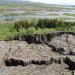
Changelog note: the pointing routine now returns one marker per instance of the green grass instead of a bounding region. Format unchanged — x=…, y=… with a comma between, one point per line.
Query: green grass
x=33, y=31
x=41, y=26
x=4, y=31
x=7, y=31
x=66, y=14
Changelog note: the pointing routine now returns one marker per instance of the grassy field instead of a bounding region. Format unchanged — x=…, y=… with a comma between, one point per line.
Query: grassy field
x=41, y=26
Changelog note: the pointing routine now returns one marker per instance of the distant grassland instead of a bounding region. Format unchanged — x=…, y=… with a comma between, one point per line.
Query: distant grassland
x=40, y=26
x=33, y=26
x=66, y=14
x=33, y=6
x=31, y=9
x=29, y=13
x=18, y=14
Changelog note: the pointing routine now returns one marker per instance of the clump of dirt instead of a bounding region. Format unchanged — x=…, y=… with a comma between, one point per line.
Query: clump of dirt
x=64, y=43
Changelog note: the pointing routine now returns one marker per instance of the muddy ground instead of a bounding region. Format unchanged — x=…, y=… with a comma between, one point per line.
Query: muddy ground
x=55, y=58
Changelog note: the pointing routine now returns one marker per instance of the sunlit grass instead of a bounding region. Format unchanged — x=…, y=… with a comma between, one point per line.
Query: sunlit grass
x=33, y=27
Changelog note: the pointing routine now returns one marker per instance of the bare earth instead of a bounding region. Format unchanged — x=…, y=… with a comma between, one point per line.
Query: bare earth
x=21, y=58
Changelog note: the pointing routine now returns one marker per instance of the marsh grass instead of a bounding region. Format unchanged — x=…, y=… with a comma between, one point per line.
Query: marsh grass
x=40, y=26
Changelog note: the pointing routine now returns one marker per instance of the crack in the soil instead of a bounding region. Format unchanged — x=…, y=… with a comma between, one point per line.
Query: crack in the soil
x=15, y=62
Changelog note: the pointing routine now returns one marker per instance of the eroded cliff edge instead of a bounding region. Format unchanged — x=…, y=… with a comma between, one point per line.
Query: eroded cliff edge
x=52, y=53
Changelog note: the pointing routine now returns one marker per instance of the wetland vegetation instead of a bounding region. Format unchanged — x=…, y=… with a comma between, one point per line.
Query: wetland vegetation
x=32, y=27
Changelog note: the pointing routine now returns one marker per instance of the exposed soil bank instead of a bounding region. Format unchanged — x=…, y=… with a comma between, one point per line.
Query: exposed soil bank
x=44, y=38
x=38, y=57
x=59, y=41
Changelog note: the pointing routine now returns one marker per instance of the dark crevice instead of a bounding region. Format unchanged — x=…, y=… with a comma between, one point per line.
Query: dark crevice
x=14, y=62
x=36, y=38
x=52, y=47
x=70, y=63
x=42, y=62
